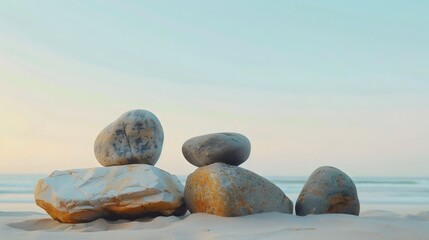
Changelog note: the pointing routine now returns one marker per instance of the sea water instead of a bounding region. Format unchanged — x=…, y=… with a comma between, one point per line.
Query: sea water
x=398, y=194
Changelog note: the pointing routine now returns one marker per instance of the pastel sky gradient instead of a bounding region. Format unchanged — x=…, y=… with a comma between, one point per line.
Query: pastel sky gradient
x=310, y=83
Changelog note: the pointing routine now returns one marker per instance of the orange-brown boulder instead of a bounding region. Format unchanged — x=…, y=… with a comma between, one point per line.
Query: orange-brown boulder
x=229, y=191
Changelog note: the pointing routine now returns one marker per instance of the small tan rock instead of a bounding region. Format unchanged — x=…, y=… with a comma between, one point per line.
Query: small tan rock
x=226, y=190
x=118, y=192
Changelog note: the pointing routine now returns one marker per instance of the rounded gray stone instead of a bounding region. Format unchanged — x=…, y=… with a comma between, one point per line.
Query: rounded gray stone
x=229, y=148
x=135, y=137
x=328, y=190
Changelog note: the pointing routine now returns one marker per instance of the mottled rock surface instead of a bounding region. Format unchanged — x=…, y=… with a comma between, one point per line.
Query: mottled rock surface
x=118, y=192
x=135, y=137
x=328, y=190
x=230, y=148
x=226, y=190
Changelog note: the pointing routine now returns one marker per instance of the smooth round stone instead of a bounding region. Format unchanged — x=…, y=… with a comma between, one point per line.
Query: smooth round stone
x=230, y=191
x=229, y=148
x=135, y=137
x=328, y=190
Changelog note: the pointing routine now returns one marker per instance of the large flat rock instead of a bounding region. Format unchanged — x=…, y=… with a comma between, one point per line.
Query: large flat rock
x=126, y=192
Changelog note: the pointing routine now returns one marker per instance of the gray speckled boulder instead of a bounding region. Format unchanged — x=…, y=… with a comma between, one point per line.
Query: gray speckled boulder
x=135, y=137
x=328, y=190
x=229, y=191
x=230, y=148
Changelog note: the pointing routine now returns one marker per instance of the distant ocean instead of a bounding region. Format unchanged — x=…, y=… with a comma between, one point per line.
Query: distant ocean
x=400, y=194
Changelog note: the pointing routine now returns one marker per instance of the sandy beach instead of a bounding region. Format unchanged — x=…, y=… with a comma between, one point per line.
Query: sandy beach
x=406, y=219
x=370, y=225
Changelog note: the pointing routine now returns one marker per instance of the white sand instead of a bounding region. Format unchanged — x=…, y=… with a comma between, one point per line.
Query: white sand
x=370, y=225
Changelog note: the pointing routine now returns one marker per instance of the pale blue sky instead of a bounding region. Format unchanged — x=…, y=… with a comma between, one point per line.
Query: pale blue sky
x=309, y=82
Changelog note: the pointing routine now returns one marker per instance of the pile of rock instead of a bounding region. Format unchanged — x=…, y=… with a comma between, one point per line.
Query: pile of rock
x=222, y=188
x=129, y=187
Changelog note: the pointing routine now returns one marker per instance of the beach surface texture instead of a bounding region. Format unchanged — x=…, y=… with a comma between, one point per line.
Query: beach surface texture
x=370, y=225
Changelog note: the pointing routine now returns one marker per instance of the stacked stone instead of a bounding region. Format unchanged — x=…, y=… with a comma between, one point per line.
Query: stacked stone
x=128, y=187
x=222, y=188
